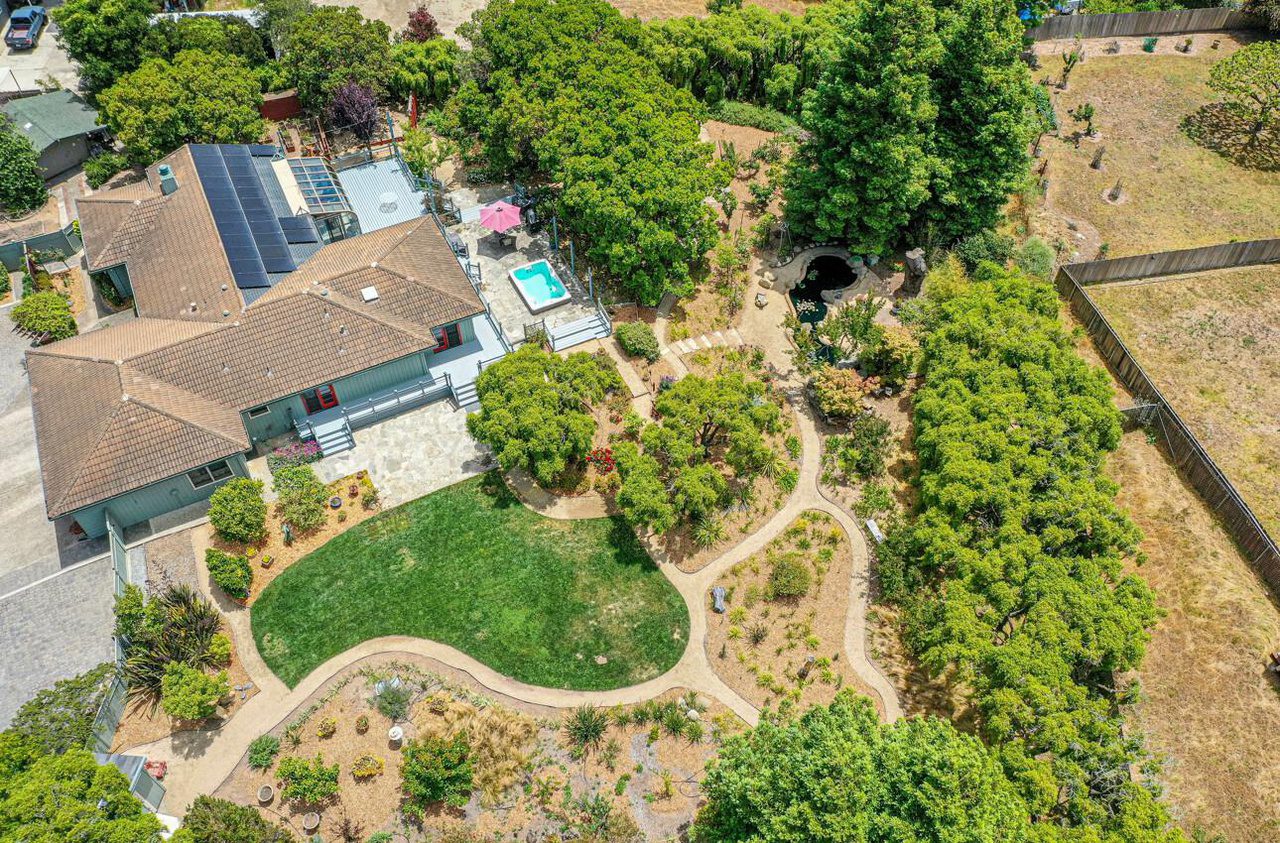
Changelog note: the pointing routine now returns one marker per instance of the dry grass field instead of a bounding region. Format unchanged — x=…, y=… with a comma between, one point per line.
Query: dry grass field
x=1175, y=193
x=1211, y=341
x=1209, y=709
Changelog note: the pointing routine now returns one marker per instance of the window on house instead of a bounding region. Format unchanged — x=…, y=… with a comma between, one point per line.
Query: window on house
x=258, y=412
x=207, y=474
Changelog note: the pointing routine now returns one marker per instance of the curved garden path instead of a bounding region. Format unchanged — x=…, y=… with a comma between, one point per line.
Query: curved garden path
x=200, y=760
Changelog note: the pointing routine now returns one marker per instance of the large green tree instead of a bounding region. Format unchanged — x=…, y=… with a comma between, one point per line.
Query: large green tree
x=839, y=774
x=104, y=37
x=210, y=34
x=198, y=98
x=712, y=431
x=560, y=93
x=70, y=797
x=1013, y=573
x=61, y=717
x=985, y=103
x=426, y=68
x=330, y=46
x=1267, y=10
x=1249, y=81
x=866, y=166
x=22, y=187
x=535, y=409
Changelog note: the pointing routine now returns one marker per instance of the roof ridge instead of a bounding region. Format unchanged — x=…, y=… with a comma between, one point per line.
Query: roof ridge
x=135, y=399
x=53, y=350
x=102, y=434
x=389, y=320
x=425, y=285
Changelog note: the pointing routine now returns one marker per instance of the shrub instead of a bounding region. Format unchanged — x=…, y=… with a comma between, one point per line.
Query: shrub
x=100, y=168
x=307, y=782
x=638, y=340
x=891, y=358
x=984, y=246
x=263, y=751
x=585, y=728
x=369, y=497
x=1035, y=257
x=45, y=314
x=190, y=694
x=220, y=650
x=863, y=451
x=366, y=767
x=789, y=578
x=211, y=820
x=436, y=770
x=130, y=612
x=21, y=181
x=876, y=498
x=233, y=574
x=381, y=837
x=297, y=453
x=759, y=117
x=328, y=728
x=393, y=702
x=176, y=625
x=838, y=393
x=362, y=724
x=302, y=497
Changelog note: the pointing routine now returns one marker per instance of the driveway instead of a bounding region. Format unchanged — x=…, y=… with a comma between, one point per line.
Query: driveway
x=46, y=60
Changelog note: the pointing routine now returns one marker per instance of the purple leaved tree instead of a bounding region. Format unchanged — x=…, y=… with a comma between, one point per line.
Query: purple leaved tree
x=422, y=26
x=354, y=107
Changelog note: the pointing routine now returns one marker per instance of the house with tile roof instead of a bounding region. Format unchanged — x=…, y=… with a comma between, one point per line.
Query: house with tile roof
x=253, y=321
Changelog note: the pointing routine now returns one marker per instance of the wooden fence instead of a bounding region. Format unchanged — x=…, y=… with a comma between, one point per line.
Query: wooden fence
x=1200, y=259
x=1190, y=457
x=1141, y=23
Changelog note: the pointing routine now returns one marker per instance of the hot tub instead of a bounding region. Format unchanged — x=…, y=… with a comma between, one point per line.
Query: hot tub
x=539, y=286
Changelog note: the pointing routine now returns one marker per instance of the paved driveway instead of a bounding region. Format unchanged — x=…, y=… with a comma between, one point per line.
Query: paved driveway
x=46, y=60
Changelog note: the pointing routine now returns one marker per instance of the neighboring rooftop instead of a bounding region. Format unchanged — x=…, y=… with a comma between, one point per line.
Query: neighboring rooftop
x=48, y=118
x=126, y=406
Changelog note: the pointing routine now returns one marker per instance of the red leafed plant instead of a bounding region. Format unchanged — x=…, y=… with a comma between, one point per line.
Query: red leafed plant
x=422, y=26
x=602, y=459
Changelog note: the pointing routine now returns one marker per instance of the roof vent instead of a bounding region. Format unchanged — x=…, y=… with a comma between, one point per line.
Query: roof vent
x=369, y=294
x=224, y=288
x=226, y=313
x=168, y=181
x=342, y=330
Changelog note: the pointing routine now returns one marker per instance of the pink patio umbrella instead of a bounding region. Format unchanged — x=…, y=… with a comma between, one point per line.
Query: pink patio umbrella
x=500, y=216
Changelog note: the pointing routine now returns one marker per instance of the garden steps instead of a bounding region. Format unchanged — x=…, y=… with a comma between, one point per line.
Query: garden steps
x=334, y=437
x=728, y=338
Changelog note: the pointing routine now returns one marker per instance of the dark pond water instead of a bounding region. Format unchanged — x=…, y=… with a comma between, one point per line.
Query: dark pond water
x=827, y=272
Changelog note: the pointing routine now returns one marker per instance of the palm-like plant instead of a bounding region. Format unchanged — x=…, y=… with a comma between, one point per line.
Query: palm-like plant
x=185, y=625
x=585, y=728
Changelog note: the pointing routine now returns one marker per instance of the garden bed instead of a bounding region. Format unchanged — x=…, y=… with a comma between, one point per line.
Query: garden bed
x=527, y=782
x=142, y=724
x=570, y=604
x=760, y=645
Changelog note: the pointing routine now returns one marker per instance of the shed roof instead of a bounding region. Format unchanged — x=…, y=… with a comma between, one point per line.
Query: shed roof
x=48, y=118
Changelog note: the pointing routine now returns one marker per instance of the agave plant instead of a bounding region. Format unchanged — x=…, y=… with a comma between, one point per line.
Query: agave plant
x=585, y=728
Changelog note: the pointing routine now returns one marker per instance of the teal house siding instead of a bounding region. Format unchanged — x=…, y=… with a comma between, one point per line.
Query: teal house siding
x=149, y=501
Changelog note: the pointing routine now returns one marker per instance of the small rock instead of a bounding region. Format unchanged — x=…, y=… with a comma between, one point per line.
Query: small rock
x=693, y=714
x=601, y=660
x=770, y=277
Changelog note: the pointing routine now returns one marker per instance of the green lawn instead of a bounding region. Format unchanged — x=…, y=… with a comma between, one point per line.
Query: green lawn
x=470, y=566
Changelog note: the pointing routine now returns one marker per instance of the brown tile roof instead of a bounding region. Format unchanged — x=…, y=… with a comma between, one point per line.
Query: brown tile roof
x=126, y=406
x=177, y=265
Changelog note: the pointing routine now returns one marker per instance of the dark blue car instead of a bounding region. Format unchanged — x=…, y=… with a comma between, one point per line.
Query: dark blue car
x=25, y=26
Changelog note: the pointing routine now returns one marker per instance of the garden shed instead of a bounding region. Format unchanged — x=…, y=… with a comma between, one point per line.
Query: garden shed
x=58, y=124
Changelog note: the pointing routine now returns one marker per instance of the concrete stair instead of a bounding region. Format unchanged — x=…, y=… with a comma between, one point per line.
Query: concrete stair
x=593, y=327
x=465, y=397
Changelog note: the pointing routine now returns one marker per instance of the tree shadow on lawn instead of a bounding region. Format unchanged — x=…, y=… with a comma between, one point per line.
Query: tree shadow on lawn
x=1221, y=129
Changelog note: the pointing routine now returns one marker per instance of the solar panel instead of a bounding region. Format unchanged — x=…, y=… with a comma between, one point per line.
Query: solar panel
x=250, y=231
x=299, y=230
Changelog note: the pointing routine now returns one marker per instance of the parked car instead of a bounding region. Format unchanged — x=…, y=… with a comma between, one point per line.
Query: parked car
x=25, y=26
x=18, y=4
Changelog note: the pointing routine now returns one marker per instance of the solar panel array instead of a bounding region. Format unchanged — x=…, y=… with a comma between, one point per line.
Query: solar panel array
x=299, y=229
x=251, y=232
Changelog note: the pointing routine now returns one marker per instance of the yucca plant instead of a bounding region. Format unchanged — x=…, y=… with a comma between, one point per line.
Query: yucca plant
x=183, y=632
x=708, y=532
x=585, y=728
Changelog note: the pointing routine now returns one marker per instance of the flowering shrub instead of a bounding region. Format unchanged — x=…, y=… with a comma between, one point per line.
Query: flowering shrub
x=299, y=453
x=602, y=459
x=367, y=766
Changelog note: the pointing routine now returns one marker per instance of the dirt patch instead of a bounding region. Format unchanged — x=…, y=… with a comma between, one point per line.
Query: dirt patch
x=1208, y=708
x=527, y=782
x=1179, y=193
x=762, y=645
x=1211, y=341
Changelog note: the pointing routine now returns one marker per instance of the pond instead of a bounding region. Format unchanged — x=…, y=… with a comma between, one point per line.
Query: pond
x=826, y=272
